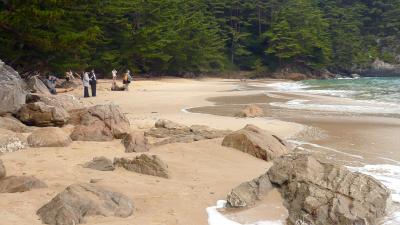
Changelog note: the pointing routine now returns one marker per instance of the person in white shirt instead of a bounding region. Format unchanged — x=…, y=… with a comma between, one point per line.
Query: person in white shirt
x=85, y=81
x=114, y=80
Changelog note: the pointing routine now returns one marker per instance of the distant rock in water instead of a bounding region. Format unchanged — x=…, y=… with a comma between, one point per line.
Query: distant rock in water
x=144, y=164
x=381, y=68
x=12, y=90
x=256, y=142
x=251, y=111
x=316, y=192
x=77, y=201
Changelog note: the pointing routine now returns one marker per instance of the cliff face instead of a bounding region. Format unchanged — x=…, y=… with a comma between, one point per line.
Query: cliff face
x=380, y=68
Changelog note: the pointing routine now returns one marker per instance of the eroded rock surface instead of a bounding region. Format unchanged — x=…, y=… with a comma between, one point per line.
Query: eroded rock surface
x=78, y=201
x=2, y=170
x=321, y=193
x=257, y=142
x=11, y=141
x=173, y=132
x=10, y=123
x=13, y=184
x=135, y=142
x=100, y=163
x=35, y=85
x=42, y=115
x=12, y=90
x=246, y=194
x=49, y=137
x=99, y=123
x=65, y=101
x=145, y=164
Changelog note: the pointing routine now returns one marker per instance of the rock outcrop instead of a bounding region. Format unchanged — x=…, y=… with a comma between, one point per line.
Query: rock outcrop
x=64, y=101
x=135, y=142
x=321, y=193
x=35, y=85
x=144, y=164
x=13, y=184
x=100, y=163
x=42, y=115
x=380, y=68
x=2, y=170
x=49, y=137
x=99, y=123
x=174, y=132
x=9, y=123
x=12, y=90
x=251, y=111
x=78, y=201
x=257, y=142
x=247, y=193
x=10, y=141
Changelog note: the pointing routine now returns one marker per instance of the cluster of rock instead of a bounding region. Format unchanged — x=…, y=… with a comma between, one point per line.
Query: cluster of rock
x=144, y=164
x=12, y=184
x=317, y=192
x=172, y=132
x=251, y=111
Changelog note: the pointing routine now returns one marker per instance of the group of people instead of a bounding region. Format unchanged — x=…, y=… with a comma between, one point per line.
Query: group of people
x=89, y=80
x=126, y=80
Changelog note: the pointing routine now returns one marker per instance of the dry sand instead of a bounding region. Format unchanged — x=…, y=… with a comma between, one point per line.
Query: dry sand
x=202, y=172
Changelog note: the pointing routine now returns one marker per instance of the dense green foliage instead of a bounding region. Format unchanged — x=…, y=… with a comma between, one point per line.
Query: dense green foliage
x=180, y=36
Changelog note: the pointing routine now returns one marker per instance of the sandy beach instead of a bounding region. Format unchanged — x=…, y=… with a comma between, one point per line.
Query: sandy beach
x=201, y=172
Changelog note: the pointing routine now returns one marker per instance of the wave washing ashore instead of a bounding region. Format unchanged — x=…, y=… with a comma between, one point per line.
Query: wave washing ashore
x=374, y=95
x=355, y=98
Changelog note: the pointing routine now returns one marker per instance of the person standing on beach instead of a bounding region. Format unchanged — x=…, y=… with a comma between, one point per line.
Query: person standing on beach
x=114, y=80
x=127, y=80
x=85, y=80
x=93, y=82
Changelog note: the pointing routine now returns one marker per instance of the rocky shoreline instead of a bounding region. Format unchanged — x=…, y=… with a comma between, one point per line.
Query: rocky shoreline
x=314, y=192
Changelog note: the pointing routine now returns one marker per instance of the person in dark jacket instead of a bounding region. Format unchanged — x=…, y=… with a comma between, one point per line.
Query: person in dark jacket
x=93, y=82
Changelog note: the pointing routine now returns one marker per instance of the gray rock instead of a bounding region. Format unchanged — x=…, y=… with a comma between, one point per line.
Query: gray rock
x=15, y=184
x=10, y=141
x=100, y=163
x=35, y=85
x=257, y=142
x=145, y=164
x=65, y=101
x=320, y=193
x=135, y=142
x=12, y=90
x=247, y=193
x=78, y=201
x=2, y=170
x=99, y=123
x=42, y=115
x=49, y=137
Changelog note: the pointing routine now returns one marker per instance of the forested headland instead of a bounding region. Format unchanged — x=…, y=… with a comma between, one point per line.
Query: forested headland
x=197, y=36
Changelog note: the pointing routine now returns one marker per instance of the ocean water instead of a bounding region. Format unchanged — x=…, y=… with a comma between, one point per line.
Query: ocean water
x=373, y=95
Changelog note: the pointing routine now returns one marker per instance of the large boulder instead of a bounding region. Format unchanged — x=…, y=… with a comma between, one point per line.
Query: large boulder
x=135, y=142
x=49, y=137
x=78, y=201
x=10, y=141
x=42, y=115
x=100, y=163
x=257, y=142
x=145, y=164
x=12, y=90
x=35, y=85
x=65, y=101
x=15, y=184
x=246, y=194
x=10, y=123
x=2, y=170
x=99, y=123
x=174, y=132
x=320, y=193
x=251, y=111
